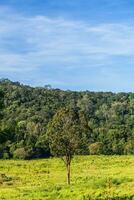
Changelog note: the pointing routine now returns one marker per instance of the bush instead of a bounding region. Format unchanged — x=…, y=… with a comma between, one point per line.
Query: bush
x=129, y=148
x=6, y=155
x=96, y=148
x=21, y=153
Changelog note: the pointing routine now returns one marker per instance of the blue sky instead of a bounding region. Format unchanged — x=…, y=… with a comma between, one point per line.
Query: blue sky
x=70, y=44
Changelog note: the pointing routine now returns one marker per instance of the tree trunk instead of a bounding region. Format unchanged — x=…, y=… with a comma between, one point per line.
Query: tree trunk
x=68, y=173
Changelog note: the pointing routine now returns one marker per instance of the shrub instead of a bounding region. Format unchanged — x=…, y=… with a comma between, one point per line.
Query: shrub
x=6, y=155
x=96, y=148
x=21, y=153
x=129, y=148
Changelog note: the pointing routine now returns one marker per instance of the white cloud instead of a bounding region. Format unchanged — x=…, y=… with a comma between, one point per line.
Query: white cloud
x=38, y=42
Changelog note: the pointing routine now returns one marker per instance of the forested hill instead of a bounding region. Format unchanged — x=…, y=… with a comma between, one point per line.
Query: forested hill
x=26, y=112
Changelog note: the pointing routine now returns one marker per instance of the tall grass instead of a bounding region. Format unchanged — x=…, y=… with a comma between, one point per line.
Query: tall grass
x=93, y=177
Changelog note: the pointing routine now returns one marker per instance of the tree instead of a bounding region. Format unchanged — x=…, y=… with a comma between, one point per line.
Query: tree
x=64, y=136
x=26, y=111
x=86, y=105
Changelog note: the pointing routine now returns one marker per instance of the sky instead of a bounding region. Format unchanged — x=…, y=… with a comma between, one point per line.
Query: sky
x=69, y=44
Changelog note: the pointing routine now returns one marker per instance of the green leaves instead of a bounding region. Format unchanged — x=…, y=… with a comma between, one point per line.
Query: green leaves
x=63, y=133
x=27, y=114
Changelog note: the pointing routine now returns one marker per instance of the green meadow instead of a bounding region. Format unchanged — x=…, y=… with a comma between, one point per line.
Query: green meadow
x=92, y=177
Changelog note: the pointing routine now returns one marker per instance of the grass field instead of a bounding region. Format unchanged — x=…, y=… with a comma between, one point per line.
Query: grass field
x=93, y=177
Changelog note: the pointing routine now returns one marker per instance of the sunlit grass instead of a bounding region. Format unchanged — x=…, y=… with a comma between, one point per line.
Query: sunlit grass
x=93, y=177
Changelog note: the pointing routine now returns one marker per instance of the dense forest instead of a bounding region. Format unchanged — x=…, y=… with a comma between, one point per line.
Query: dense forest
x=25, y=112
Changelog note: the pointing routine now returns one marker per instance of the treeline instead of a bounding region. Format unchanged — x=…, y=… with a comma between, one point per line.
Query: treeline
x=25, y=113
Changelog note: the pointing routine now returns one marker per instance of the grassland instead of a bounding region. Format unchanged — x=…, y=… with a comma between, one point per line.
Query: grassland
x=93, y=177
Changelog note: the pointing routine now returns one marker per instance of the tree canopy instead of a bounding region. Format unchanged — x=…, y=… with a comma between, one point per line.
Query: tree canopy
x=64, y=135
x=106, y=120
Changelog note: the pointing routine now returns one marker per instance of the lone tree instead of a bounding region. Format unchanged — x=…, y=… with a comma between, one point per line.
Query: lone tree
x=64, y=136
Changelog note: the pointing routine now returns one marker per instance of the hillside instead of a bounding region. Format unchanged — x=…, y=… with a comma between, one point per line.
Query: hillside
x=26, y=112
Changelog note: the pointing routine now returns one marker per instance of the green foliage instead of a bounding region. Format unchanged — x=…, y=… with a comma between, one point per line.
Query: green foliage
x=64, y=133
x=21, y=153
x=25, y=113
x=96, y=148
x=6, y=155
